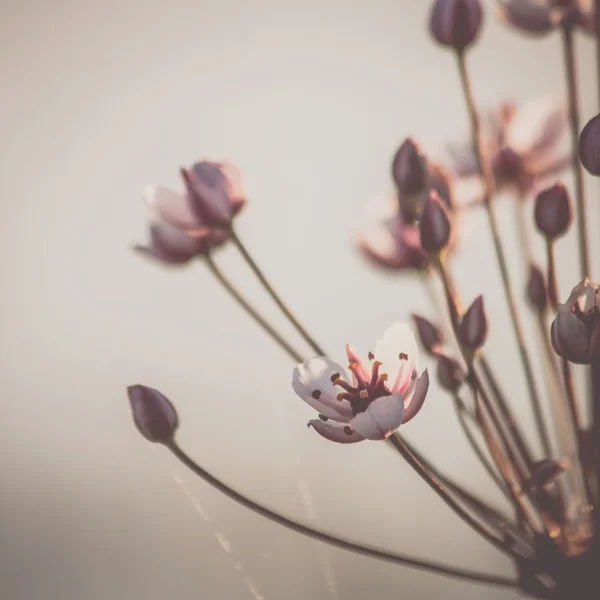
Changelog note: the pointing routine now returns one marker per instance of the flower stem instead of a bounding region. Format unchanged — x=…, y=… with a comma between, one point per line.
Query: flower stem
x=489, y=201
x=573, y=100
x=237, y=296
x=595, y=380
x=551, y=276
x=276, y=298
x=321, y=536
x=597, y=29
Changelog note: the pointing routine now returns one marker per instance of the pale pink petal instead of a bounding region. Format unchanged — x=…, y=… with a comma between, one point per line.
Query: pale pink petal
x=312, y=381
x=173, y=208
x=363, y=366
x=418, y=398
x=335, y=432
x=397, y=351
x=171, y=245
x=381, y=419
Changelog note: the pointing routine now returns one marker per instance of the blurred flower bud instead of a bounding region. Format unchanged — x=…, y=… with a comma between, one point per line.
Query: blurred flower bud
x=431, y=336
x=473, y=328
x=409, y=168
x=455, y=23
x=215, y=192
x=575, y=331
x=553, y=211
x=536, y=288
x=546, y=471
x=531, y=16
x=153, y=414
x=450, y=373
x=589, y=146
x=435, y=225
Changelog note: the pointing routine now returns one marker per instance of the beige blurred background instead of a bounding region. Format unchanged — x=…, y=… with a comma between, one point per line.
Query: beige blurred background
x=310, y=99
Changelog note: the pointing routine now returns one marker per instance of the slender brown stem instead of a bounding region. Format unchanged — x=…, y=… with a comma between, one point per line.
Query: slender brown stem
x=276, y=298
x=489, y=197
x=595, y=384
x=464, y=414
x=573, y=105
x=552, y=283
x=327, y=538
x=437, y=486
x=597, y=28
x=524, y=237
x=250, y=310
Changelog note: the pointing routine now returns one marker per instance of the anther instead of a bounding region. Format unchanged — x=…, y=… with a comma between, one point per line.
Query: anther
x=348, y=430
x=403, y=356
x=316, y=394
x=364, y=394
x=371, y=356
x=335, y=377
x=323, y=418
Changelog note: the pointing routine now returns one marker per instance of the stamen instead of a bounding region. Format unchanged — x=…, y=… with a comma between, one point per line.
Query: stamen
x=335, y=377
x=316, y=394
x=348, y=430
x=323, y=418
x=403, y=356
x=344, y=396
x=375, y=373
x=356, y=370
x=371, y=356
x=344, y=385
x=364, y=394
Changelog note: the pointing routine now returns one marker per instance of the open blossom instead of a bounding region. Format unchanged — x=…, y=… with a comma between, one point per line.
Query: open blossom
x=183, y=226
x=524, y=145
x=382, y=392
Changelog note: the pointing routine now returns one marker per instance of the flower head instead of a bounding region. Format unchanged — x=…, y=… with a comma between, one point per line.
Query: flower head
x=523, y=145
x=381, y=393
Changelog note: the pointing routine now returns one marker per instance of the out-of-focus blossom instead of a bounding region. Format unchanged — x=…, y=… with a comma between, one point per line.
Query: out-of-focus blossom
x=382, y=392
x=431, y=336
x=553, y=211
x=524, y=146
x=575, y=330
x=539, y=17
x=176, y=236
x=456, y=23
x=450, y=373
x=588, y=147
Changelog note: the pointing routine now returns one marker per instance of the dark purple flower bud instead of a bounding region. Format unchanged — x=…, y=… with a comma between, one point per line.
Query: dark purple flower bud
x=536, y=288
x=456, y=23
x=409, y=169
x=435, y=224
x=589, y=146
x=575, y=331
x=546, y=471
x=553, y=211
x=431, y=336
x=450, y=373
x=531, y=16
x=473, y=328
x=153, y=414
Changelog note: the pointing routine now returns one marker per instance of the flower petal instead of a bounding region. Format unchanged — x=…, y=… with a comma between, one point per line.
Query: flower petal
x=418, y=398
x=397, y=351
x=171, y=245
x=381, y=419
x=531, y=16
x=312, y=381
x=335, y=432
x=173, y=208
x=363, y=366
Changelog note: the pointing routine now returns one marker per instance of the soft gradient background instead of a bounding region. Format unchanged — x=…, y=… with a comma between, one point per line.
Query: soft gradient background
x=310, y=99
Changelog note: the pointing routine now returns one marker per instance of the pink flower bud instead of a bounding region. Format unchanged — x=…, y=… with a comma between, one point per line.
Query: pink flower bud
x=553, y=211
x=153, y=414
x=589, y=146
x=450, y=373
x=536, y=288
x=473, y=329
x=456, y=23
x=431, y=336
x=435, y=224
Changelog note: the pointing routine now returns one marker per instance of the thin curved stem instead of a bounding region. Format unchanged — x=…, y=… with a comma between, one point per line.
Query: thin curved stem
x=551, y=276
x=523, y=231
x=489, y=197
x=237, y=296
x=274, y=295
x=327, y=538
x=573, y=105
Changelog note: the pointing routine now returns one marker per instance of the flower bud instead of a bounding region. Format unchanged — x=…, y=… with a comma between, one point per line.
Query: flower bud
x=473, y=328
x=435, y=225
x=589, y=146
x=153, y=414
x=450, y=373
x=553, y=211
x=431, y=336
x=455, y=23
x=409, y=169
x=575, y=331
x=536, y=288
x=531, y=17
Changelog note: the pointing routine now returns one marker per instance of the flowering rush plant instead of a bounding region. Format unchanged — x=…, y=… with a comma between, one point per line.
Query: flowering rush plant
x=552, y=532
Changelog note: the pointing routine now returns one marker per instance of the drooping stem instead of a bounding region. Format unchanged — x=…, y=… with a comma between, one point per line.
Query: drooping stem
x=489, y=201
x=274, y=295
x=573, y=106
x=438, y=487
x=327, y=538
x=251, y=311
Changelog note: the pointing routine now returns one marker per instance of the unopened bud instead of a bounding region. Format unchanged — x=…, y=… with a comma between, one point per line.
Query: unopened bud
x=553, y=211
x=450, y=373
x=153, y=414
x=431, y=336
x=435, y=225
x=473, y=329
x=456, y=23
x=589, y=146
x=409, y=168
x=536, y=288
